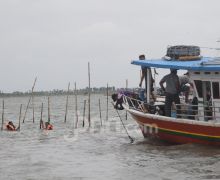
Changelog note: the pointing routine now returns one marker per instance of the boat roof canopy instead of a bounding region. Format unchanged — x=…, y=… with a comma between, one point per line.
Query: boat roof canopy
x=204, y=64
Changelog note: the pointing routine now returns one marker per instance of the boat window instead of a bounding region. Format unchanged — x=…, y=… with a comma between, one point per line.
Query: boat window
x=196, y=72
x=198, y=84
x=216, y=73
x=207, y=73
x=215, y=89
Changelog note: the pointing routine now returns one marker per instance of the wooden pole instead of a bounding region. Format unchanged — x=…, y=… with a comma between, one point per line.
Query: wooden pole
x=41, y=116
x=48, y=120
x=100, y=113
x=76, y=108
x=19, y=123
x=29, y=99
x=148, y=85
x=27, y=108
x=89, y=94
x=67, y=99
x=140, y=74
x=3, y=109
x=155, y=72
x=84, y=112
x=126, y=113
x=33, y=106
x=33, y=101
x=107, y=102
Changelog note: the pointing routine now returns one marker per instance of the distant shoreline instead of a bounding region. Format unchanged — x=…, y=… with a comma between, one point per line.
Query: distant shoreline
x=57, y=92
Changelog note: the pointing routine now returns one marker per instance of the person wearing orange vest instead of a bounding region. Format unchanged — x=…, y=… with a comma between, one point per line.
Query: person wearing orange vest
x=10, y=126
x=48, y=126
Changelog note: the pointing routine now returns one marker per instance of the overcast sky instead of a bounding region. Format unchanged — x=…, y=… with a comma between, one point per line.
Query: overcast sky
x=55, y=39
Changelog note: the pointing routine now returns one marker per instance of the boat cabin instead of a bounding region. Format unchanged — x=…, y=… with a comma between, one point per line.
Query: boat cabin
x=204, y=73
x=206, y=87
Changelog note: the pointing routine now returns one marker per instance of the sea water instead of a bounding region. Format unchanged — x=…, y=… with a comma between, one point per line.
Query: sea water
x=96, y=152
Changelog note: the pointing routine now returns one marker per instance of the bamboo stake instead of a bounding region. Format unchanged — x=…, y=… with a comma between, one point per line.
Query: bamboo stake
x=76, y=108
x=27, y=108
x=89, y=96
x=48, y=120
x=67, y=100
x=140, y=74
x=19, y=123
x=84, y=112
x=100, y=113
x=33, y=102
x=33, y=106
x=107, y=103
x=3, y=109
x=29, y=99
x=126, y=113
x=41, y=116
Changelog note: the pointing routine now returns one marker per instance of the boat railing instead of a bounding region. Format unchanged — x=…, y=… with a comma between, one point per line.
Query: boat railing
x=197, y=112
x=184, y=111
x=134, y=103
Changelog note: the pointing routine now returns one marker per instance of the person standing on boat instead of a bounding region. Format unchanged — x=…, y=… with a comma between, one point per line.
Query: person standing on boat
x=184, y=80
x=171, y=91
x=144, y=76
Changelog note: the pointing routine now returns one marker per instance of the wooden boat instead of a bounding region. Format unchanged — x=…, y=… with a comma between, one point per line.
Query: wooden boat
x=198, y=123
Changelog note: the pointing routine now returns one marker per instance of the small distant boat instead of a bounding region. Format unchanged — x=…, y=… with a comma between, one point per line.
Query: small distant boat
x=198, y=123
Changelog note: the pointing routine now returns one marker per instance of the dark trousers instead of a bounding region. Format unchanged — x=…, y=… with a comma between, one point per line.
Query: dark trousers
x=170, y=98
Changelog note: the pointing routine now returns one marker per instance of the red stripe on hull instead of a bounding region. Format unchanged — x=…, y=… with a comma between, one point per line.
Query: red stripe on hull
x=179, y=139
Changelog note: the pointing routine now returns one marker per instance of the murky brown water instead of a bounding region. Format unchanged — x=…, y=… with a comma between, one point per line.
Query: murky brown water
x=97, y=152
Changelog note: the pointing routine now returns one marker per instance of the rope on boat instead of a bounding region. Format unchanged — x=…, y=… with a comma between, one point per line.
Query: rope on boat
x=131, y=139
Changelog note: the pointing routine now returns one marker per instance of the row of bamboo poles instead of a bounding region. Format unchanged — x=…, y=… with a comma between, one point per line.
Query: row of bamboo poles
x=31, y=100
x=66, y=110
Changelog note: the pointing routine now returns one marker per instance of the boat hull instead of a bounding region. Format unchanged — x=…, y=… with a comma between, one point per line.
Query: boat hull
x=177, y=130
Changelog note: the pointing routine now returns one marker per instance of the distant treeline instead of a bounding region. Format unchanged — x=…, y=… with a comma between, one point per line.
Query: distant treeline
x=94, y=90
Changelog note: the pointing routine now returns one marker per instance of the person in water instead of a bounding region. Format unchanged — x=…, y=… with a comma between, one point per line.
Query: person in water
x=48, y=126
x=10, y=126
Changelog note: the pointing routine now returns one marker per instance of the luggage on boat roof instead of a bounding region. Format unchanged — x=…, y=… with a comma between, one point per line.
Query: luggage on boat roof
x=183, y=52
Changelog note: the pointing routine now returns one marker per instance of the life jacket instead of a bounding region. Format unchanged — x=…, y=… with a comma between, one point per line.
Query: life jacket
x=10, y=127
x=50, y=127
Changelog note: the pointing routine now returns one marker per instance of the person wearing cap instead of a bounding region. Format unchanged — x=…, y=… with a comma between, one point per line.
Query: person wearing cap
x=143, y=76
x=184, y=80
x=171, y=91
